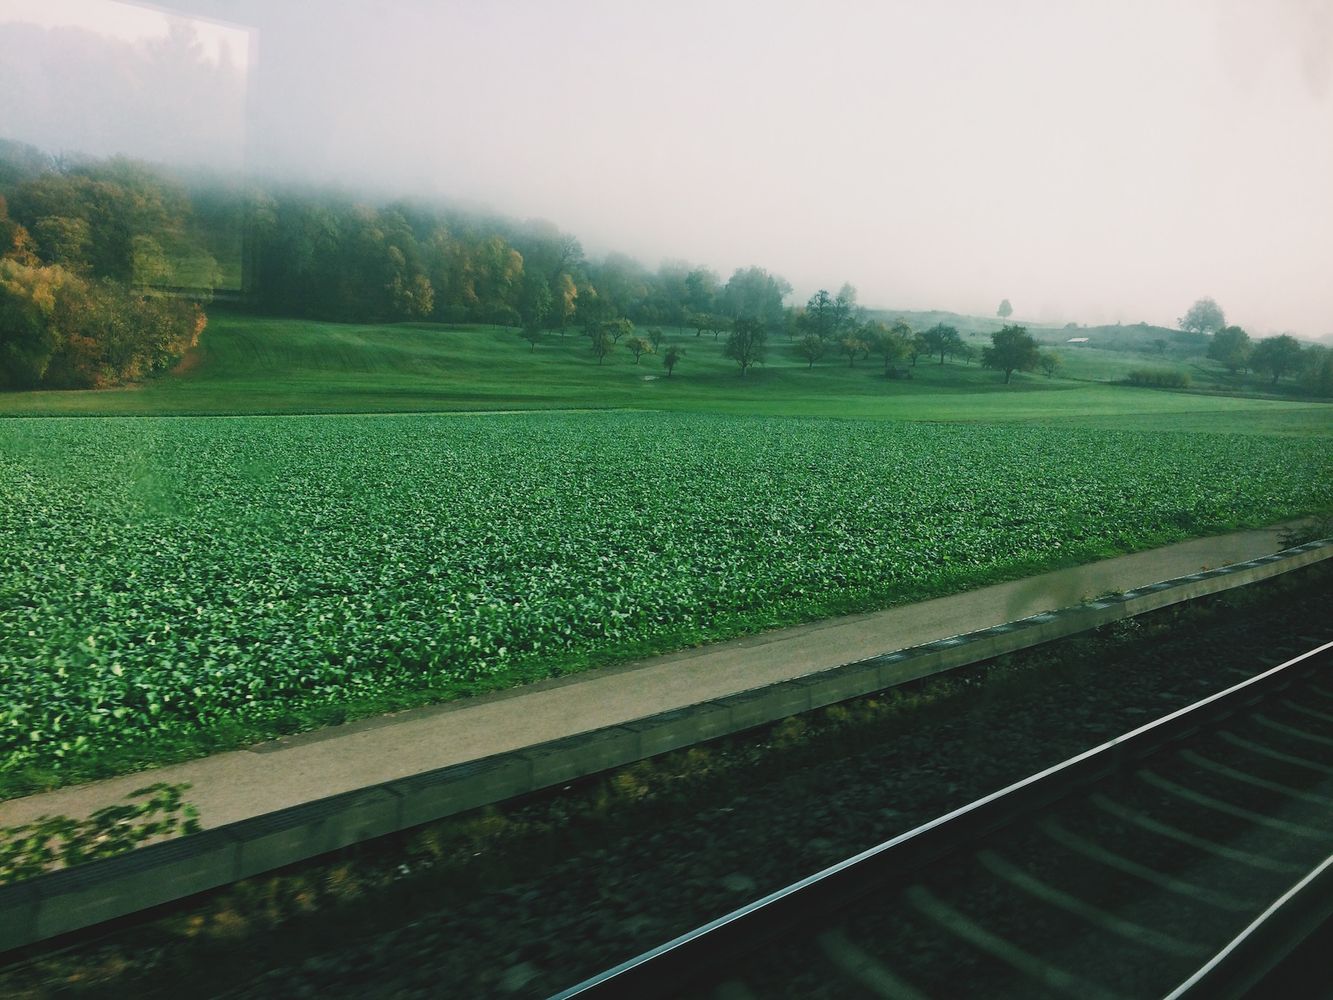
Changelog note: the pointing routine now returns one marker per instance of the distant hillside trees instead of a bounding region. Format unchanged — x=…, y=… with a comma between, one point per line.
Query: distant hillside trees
x=1005, y=310
x=76, y=306
x=1012, y=350
x=1205, y=316
x=58, y=330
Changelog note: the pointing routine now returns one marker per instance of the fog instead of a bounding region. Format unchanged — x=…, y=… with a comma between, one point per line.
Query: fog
x=1090, y=162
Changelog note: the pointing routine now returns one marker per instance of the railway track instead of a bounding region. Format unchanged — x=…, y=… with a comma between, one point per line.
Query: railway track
x=1182, y=859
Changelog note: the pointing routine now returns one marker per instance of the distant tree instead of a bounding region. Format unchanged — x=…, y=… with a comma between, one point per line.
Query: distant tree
x=1276, y=356
x=534, y=306
x=753, y=292
x=942, y=339
x=852, y=347
x=916, y=346
x=593, y=311
x=820, y=317
x=533, y=335
x=793, y=322
x=64, y=241
x=602, y=342
x=638, y=346
x=1012, y=349
x=1205, y=316
x=1317, y=371
x=618, y=328
x=811, y=348
x=698, y=321
x=718, y=324
x=884, y=341
x=968, y=353
x=701, y=288
x=565, y=298
x=1160, y=344
x=1049, y=362
x=1231, y=347
x=655, y=337
x=672, y=357
x=844, y=309
x=747, y=342
x=1005, y=310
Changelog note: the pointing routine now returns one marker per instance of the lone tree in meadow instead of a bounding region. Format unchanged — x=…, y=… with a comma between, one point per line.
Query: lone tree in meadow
x=533, y=335
x=1012, y=350
x=811, y=348
x=746, y=343
x=534, y=306
x=1005, y=310
x=1049, y=362
x=1276, y=356
x=1205, y=316
x=1231, y=348
x=639, y=346
x=671, y=357
x=602, y=342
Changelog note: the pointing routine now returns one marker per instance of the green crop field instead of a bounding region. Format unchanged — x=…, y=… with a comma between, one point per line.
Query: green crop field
x=174, y=585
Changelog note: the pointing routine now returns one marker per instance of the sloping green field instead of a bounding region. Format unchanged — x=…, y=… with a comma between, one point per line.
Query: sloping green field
x=248, y=365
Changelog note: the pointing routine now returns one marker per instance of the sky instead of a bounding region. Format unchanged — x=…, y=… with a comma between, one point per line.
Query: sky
x=1090, y=161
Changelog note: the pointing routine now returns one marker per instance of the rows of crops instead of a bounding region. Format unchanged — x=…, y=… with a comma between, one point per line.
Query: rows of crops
x=164, y=575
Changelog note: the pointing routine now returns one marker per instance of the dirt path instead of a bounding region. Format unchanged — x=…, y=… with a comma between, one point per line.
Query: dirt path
x=245, y=783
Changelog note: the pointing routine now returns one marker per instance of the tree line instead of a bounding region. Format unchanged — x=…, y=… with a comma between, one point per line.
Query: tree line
x=106, y=267
x=1273, y=357
x=76, y=265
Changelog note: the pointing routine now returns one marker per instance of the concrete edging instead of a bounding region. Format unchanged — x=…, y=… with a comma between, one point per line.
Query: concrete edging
x=71, y=899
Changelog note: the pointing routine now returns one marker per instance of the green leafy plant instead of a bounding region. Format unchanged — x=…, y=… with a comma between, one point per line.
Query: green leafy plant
x=57, y=841
x=167, y=580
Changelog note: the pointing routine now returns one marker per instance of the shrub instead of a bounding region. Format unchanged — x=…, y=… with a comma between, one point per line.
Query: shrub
x=1158, y=378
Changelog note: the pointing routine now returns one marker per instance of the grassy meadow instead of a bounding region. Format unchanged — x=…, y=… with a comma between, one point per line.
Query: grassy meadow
x=282, y=534
x=246, y=365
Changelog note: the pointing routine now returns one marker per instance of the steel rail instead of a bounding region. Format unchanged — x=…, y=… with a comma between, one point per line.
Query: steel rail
x=666, y=969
